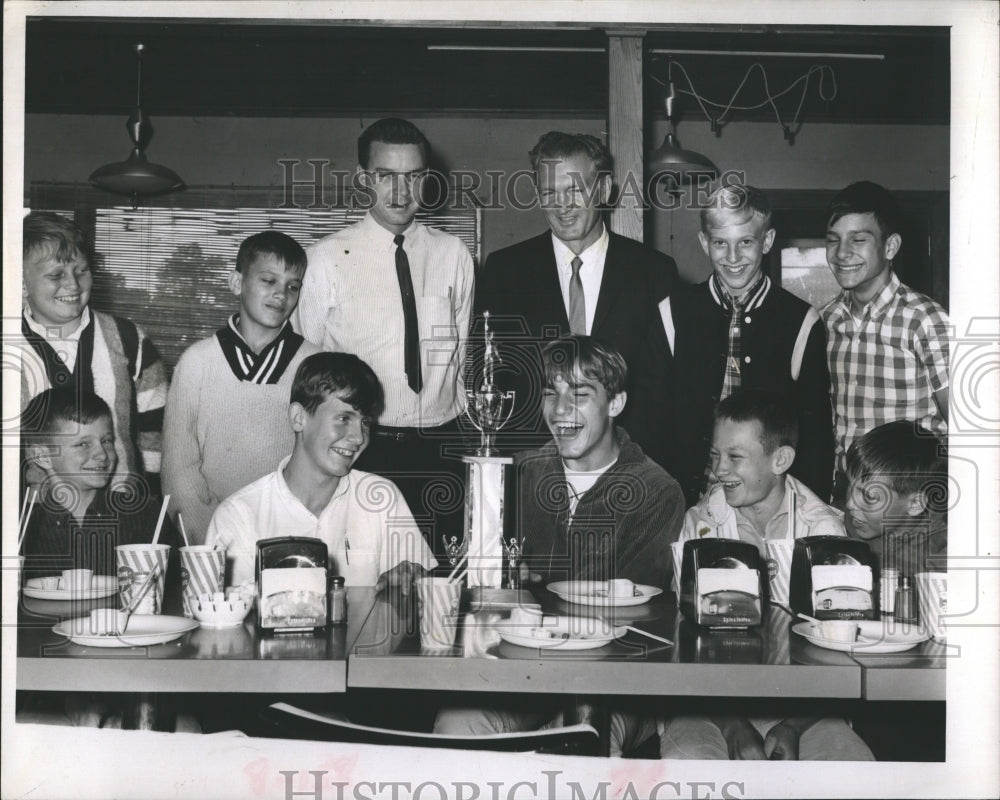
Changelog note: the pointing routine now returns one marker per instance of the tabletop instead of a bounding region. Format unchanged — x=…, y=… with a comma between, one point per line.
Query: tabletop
x=253, y=662
x=768, y=661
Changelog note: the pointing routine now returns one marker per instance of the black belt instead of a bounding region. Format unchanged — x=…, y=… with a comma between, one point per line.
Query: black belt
x=405, y=434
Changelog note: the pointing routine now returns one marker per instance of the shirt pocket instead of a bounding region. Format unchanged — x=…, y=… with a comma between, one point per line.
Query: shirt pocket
x=360, y=567
x=438, y=328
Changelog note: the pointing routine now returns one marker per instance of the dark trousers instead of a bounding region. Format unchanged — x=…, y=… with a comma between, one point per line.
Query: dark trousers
x=426, y=464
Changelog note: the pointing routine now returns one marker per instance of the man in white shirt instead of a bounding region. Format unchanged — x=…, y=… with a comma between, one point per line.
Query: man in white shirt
x=398, y=294
x=366, y=524
x=578, y=278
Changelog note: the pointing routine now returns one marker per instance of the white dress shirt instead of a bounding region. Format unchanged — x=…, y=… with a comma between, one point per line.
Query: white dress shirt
x=367, y=526
x=591, y=272
x=350, y=302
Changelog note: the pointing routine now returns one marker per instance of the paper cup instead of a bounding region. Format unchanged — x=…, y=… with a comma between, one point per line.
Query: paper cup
x=437, y=603
x=932, y=601
x=677, y=555
x=76, y=580
x=838, y=630
x=202, y=572
x=135, y=562
x=779, y=568
x=108, y=621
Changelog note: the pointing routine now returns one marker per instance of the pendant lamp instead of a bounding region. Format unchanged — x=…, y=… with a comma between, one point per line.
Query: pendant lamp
x=135, y=176
x=670, y=161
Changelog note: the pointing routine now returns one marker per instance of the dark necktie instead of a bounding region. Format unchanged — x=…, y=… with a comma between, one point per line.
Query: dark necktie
x=411, y=343
x=577, y=303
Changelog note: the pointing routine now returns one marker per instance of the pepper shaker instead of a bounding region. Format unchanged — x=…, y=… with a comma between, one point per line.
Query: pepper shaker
x=905, y=610
x=338, y=601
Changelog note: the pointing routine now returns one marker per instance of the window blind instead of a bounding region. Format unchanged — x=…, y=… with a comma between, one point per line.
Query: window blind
x=166, y=267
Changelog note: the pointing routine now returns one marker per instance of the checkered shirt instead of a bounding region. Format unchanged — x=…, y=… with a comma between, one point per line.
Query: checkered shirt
x=887, y=365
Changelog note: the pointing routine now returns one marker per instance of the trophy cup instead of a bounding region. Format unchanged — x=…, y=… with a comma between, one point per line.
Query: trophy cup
x=488, y=409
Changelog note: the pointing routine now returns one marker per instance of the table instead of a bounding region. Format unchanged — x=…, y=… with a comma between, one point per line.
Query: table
x=204, y=660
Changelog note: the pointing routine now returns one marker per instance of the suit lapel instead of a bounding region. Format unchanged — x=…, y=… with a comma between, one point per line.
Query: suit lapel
x=612, y=282
x=549, y=300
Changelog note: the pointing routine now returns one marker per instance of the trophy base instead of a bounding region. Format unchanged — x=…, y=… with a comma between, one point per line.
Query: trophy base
x=486, y=597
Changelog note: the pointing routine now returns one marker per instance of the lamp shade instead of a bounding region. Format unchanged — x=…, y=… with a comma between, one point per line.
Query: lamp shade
x=675, y=164
x=136, y=176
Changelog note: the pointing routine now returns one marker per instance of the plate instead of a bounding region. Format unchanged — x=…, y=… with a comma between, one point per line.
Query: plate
x=582, y=593
x=873, y=638
x=143, y=629
x=100, y=586
x=605, y=634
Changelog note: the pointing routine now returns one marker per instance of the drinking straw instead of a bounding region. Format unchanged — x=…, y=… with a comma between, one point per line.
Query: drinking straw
x=159, y=522
x=458, y=578
x=180, y=524
x=26, y=509
x=137, y=597
x=647, y=633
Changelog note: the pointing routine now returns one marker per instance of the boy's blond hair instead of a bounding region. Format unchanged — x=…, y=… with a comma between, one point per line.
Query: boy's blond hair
x=744, y=202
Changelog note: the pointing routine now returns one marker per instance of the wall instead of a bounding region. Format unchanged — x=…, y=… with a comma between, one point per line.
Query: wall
x=223, y=151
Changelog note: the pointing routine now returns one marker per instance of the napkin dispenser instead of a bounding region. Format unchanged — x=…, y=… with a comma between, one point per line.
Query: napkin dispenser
x=719, y=646
x=833, y=577
x=723, y=583
x=291, y=579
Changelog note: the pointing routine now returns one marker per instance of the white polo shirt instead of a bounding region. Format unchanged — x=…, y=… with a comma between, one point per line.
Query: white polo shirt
x=367, y=526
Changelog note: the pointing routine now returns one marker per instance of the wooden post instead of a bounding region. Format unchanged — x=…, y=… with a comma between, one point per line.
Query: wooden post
x=625, y=129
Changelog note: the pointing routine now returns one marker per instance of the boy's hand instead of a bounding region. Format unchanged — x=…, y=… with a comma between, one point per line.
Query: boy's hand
x=401, y=575
x=745, y=744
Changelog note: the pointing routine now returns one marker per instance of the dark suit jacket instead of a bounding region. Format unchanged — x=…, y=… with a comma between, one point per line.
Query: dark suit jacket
x=519, y=286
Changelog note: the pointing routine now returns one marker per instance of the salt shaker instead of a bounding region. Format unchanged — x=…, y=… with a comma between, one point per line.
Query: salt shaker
x=888, y=586
x=905, y=610
x=338, y=601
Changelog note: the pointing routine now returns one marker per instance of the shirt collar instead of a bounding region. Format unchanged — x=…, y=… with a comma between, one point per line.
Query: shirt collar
x=46, y=332
x=750, y=300
x=383, y=238
x=596, y=250
x=290, y=496
x=877, y=305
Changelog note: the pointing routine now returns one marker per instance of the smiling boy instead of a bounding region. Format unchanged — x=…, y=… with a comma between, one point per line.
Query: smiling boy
x=243, y=372
x=591, y=504
x=67, y=343
x=78, y=520
x=362, y=518
x=735, y=329
x=887, y=345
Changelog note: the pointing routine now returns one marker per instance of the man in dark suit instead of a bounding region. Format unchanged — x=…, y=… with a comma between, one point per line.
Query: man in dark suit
x=576, y=278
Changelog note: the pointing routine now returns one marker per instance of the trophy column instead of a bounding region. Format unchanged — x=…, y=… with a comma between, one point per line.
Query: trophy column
x=484, y=519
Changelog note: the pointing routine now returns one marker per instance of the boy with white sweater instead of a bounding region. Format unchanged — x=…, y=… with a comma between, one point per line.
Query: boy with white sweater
x=226, y=418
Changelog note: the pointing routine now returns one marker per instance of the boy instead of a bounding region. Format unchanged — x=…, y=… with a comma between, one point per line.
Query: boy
x=735, y=329
x=78, y=520
x=887, y=345
x=897, y=497
x=69, y=344
x=752, y=449
x=243, y=372
x=593, y=507
x=754, y=445
x=363, y=519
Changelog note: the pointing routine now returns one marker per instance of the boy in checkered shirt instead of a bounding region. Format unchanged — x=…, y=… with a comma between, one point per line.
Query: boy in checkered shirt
x=887, y=345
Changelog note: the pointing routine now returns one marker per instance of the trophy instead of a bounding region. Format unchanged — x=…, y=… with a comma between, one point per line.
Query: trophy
x=488, y=409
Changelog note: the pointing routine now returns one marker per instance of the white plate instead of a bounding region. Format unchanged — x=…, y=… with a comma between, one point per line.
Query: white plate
x=582, y=593
x=874, y=638
x=100, y=586
x=143, y=629
x=520, y=635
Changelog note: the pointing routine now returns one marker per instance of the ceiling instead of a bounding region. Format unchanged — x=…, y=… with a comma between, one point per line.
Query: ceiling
x=244, y=68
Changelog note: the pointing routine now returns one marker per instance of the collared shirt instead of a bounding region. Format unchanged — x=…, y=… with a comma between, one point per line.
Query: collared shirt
x=269, y=364
x=367, y=526
x=591, y=273
x=350, y=302
x=65, y=347
x=887, y=364
x=739, y=309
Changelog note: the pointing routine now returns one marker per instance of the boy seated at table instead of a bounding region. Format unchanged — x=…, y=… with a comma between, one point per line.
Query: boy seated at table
x=897, y=497
x=76, y=523
x=362, y=518
x=591, y=506
x=243, y=372
x=753, y=446
x=78, y=518
x=68, y=343
x=754, y=443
